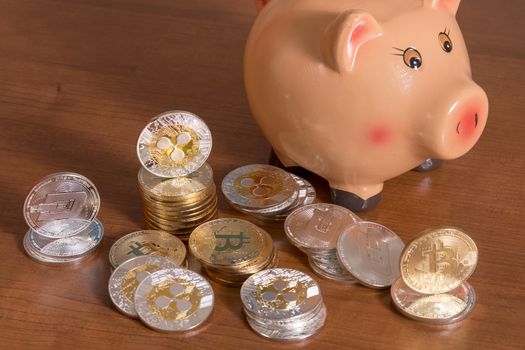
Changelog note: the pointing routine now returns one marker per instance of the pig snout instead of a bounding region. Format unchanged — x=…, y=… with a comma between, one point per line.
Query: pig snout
x=458, y=123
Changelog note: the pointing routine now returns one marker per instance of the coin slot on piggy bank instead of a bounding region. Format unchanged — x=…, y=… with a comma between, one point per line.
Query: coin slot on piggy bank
x=359, y=92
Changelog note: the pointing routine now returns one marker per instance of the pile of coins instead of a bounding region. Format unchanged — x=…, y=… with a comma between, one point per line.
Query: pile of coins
x=283, y=304
x=435, y=267
x=175, y=182
x=164, y=296
x=314, y=229
x=148, y=282
x=265, y=192
x=61, y=214
x=231, y=250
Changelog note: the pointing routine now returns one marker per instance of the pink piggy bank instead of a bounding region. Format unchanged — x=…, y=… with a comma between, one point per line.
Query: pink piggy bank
x=359, y=92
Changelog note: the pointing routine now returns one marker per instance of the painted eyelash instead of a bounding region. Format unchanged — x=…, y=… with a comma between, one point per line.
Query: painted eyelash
x=398, y=49
x=445, y=31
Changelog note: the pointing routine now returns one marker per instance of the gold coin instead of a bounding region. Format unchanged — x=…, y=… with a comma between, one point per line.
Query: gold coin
x=146, y=242
x=227, y=242
x=182, y=200
x=169, y=212
x=438, y=260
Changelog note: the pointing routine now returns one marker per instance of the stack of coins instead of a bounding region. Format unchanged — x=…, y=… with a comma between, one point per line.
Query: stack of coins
x=61, y=213
x=149, y=243
x=164, y=297
x=176, y=183
x=314, y=229
x=435, y=267
x=230, y=250
x=283, y=304
x=370, y=252
x=265, y=192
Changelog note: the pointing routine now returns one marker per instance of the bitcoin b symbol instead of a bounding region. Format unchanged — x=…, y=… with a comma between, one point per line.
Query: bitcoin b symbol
x=438, y=259
x=230, y=241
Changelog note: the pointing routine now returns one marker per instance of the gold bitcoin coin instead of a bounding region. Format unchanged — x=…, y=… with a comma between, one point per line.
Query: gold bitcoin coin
x=144, y=242
x=438, y=260
x=227, y=242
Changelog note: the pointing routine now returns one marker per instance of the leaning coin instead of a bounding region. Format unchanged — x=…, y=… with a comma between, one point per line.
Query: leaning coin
x=175, y=143
x=147, y=242
x=370, y=252
x=443, y=308
x=438, y=260
x=174, y=300
x=126, y=278
x=69, y=247
x=61, y=205
x=317, y=226
x=259, y=186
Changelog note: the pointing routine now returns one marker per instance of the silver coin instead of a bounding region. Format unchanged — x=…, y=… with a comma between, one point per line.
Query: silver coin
x=69, y=247
x=292, y=331
x=34, y=254
x=259, y=186
x=328, y=272
x=61, y=205
x=174, y=300
x=317, y=226
x=175, y=143
x=444, y=308
x=126, y=278
x=165, y=188
x=280, y=293
x=371, y=253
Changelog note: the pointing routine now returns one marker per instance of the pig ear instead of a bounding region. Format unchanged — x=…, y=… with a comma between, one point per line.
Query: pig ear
x=447, y=5
x=344, y=37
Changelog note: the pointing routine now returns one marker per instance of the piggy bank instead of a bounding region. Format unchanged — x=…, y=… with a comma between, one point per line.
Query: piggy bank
x=359, y=92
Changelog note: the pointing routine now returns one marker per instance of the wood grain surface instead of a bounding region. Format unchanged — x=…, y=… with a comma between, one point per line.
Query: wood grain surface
x=80, y=78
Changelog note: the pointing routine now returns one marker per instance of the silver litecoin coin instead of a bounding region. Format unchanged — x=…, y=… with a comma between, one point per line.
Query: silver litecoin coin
x=174, y=143
x=126, y=278
x=61, y=205
x=174, y=300
x=280, y=294
x=69, y=247
x=260, y=186
x=444, y=308
x=371, y=253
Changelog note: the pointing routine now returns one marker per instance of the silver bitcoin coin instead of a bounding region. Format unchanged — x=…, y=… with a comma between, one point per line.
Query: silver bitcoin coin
x=371, y=253
x=61, y=205
x=174, y=300
x=175, y=143
x=126, y=278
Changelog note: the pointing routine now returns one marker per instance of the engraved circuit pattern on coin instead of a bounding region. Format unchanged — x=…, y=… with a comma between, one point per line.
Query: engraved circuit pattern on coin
x=371, y=253
x=443, y=308
x=280, y=294
x=69, y=247
x=175, y=143
x=174, y=300
x=438, y=260
x=126, y=278
x=259, y=186
x=147, y=242
x=61, y=205
x=227, y=241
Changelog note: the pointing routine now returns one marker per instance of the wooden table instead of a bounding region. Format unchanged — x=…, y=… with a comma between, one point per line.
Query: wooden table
x=79, y=80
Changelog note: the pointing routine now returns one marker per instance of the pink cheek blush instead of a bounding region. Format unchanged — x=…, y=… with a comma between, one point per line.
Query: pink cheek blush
x=380, y=135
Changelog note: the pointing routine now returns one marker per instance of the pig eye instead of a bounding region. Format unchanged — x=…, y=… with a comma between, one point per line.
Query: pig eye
x=412, y=58
x=444, y=40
